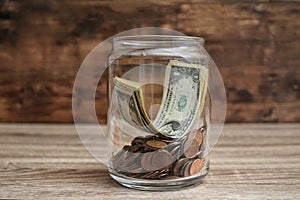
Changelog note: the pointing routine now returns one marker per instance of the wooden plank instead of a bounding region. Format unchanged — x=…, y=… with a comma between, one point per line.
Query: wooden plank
x=43, y=44
x=253, y=161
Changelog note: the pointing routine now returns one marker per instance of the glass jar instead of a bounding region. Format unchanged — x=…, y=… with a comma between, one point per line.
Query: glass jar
x=159, y=111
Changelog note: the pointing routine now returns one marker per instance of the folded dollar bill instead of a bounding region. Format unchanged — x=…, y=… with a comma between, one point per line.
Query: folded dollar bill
x=185, y=88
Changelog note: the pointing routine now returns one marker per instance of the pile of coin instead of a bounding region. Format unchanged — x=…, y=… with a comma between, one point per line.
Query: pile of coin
x=160, y=157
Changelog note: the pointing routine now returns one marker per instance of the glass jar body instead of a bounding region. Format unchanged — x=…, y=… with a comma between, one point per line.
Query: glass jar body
x=159, y=112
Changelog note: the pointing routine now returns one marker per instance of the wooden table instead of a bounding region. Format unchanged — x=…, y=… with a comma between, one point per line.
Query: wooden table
x=255, y=161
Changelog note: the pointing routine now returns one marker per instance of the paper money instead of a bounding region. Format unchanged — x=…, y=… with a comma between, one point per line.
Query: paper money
x=183, y=97
x=131, y=104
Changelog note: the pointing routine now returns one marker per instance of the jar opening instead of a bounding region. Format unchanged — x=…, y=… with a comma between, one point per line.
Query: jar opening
x=155, y=40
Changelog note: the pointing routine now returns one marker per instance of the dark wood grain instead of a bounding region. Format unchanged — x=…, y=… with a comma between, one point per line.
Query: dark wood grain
x=48, y=161
x=254, y=43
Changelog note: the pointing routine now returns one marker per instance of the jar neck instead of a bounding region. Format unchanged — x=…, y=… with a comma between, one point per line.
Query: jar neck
x=155, y=41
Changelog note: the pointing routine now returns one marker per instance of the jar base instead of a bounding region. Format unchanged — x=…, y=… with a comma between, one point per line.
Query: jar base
x=157, y=185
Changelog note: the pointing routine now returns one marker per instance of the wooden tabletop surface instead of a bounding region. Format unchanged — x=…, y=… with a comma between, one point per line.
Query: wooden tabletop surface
x=254, y=161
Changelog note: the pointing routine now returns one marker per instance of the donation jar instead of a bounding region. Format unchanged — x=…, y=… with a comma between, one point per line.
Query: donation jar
x=159, y=111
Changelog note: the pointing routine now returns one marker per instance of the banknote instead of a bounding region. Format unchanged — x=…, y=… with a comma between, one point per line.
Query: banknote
x=130, y=102
x=185, y=88
x=183, y=98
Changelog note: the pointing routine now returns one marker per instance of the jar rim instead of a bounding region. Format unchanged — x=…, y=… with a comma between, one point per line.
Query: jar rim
x=158, y=38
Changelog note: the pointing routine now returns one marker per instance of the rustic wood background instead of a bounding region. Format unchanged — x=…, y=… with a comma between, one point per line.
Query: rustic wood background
x=255, y=44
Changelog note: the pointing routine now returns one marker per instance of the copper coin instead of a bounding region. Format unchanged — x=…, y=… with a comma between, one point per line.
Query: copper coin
x=196, y=135
x=147, y=175
x=146, y=161
x=120, y=157
x=147, y=148
x=186, y=169
x=126, y=147
x=128, y=167
x=196, y=166
x=183, y=168
x=130, y=161
x=191, y=148
x=156, y=143
x=178, y=165
x=161, y=159
x=136, y=170
x=151, y=175
x=138, y=140
x=134, y=148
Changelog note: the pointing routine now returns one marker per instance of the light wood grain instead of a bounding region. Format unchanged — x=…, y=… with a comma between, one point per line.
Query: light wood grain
x=256, y=161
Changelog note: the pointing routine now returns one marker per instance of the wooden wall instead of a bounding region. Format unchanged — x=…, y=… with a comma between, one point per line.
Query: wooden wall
x=255, y=44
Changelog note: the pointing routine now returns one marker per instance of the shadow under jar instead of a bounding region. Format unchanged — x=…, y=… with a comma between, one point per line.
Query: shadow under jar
x=159, y=111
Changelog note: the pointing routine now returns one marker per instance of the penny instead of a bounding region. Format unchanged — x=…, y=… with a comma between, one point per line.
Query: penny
x=196, y=135
x=128, y=168
x=196, y=166
x=146, y=161
x=186, y=169
x=134, y=148
x=138, y=140
x=150, y=175
x=126, y=147
x=147, y=175
x=158, y=174
x=161, y=159
x=132, y=157
x=136, y=170
x=178, y=165
x=182, y=169
x=120, y=157
x=156, y=143
x=191, y=148
x=147, y=148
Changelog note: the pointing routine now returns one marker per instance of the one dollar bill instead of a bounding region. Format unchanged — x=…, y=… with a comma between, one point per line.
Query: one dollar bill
x=184, y=94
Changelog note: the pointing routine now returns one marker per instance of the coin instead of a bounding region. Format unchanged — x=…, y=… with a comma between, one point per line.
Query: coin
x=191, y=148
x=147, y=148
x=126, y=147
x=132, y=157
x=138, y=140
x=120, y=156
x=161, y=159
x=185, y=170
x=196, y=166
x=178, y=165
x=146, y=161
x=134, y=148
x=196, y=135
x=157, y=157
x=156, y=143
x=147, y=175
x=136, y=170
